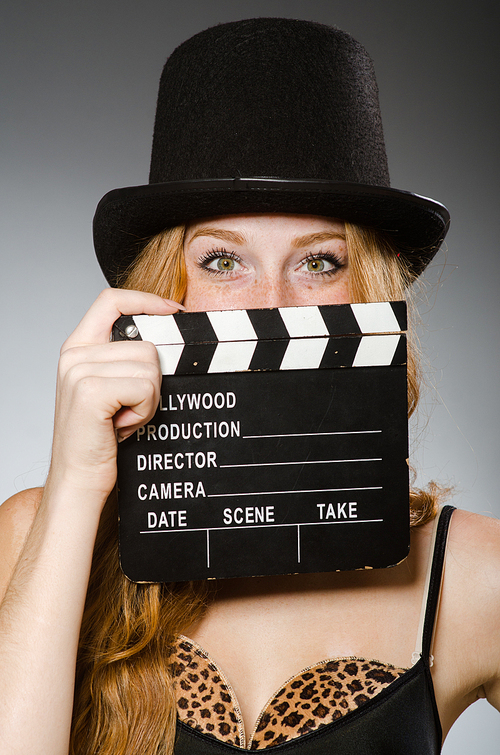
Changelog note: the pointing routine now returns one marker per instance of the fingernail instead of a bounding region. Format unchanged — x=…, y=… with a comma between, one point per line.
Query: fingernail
x=174, y=304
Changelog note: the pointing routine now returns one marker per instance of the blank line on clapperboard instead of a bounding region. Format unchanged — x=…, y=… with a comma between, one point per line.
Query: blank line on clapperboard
x=285, y=463
x=267, y=526
x=300, y=435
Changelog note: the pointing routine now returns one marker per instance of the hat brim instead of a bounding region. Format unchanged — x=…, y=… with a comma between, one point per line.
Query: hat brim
x=126, y=218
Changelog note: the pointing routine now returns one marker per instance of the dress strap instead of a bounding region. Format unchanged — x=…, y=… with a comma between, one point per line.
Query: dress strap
x=433, y=583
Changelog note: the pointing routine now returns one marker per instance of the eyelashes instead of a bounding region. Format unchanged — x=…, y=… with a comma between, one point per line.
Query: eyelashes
x=315, y=263
x=226, y=261
x=219, y=261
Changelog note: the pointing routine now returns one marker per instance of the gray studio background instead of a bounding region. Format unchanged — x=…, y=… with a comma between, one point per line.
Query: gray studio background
x=79, y=84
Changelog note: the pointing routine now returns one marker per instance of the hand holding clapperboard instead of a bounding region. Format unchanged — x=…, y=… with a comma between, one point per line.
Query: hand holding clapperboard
x=279, y=446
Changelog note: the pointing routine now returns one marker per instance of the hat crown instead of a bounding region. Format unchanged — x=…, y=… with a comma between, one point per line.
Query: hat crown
x=291, y=108
x=271, y=98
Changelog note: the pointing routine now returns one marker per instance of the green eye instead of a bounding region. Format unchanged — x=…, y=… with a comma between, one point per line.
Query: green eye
x=225, y=264
x=321, y=264
x=315, y=266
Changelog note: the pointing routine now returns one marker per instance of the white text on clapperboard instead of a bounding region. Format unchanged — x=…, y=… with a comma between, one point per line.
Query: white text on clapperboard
x=174, y=432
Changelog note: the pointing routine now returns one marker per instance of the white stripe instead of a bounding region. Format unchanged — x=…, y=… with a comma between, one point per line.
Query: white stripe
x=375, y=351
x=376, y=317
x=232, y=325
x=232, y=356
x=303, y=321
x=169, y=357
x=304, y=354
x=158, y=329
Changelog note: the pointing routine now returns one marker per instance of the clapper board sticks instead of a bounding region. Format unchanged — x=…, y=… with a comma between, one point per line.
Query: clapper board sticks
x=279, y=446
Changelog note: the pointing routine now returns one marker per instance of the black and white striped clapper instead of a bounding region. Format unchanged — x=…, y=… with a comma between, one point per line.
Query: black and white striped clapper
x=286, y=338
x=279, y=444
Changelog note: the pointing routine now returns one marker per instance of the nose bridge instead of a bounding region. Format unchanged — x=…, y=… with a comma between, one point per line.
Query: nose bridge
x=273, y=289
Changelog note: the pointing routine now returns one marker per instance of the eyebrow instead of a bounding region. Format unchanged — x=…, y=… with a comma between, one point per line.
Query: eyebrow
x=317, y=238
x=300, y=242
x=219, y=233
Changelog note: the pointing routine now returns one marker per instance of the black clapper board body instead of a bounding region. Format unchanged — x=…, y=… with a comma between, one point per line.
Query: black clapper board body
x=279, y=446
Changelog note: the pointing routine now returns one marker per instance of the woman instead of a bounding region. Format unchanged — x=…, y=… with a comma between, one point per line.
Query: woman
x=269, y=172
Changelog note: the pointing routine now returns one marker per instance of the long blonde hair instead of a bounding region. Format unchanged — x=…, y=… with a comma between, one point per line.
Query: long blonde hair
x=124, y=700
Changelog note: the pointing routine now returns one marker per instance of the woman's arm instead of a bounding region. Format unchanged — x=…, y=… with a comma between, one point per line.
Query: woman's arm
x=104, y=390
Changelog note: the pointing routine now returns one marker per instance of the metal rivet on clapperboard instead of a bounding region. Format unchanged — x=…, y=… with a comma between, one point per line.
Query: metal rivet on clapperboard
x=131, y=331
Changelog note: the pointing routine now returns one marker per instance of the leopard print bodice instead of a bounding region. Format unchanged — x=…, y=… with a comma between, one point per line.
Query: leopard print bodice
x=351, y=706
x=313, y=698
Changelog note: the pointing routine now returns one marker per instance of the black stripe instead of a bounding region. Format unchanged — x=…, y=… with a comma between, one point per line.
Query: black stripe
x=196, y=359
x=339, y=319
x=400, y=353
x=399, y=309
x=340, y=352
x=268, y=355
x=195, y=327
x=267, y=323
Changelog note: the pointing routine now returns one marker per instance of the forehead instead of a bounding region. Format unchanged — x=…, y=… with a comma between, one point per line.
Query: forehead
x=255, y=224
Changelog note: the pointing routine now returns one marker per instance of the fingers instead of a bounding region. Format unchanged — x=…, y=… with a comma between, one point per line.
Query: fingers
x=148, y=370
x=128, y=351
x=121, y=381
x=105, y=396
x=84, y=447
x=95, y=326
x=104, y=389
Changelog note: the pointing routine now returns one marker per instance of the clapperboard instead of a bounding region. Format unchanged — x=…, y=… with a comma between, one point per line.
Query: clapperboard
x=279, y=446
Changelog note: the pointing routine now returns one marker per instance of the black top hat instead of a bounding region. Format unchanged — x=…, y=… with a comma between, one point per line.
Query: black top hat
x=267, y=115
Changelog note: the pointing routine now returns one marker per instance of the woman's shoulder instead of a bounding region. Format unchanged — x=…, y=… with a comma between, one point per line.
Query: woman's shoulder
x=16, y=517
x=472, y=569
x=20, y=508
x=473, y=563
x=470, y=608
x=474, y=547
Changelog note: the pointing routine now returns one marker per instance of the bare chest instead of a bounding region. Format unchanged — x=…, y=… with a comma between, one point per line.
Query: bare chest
x=264, y=634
